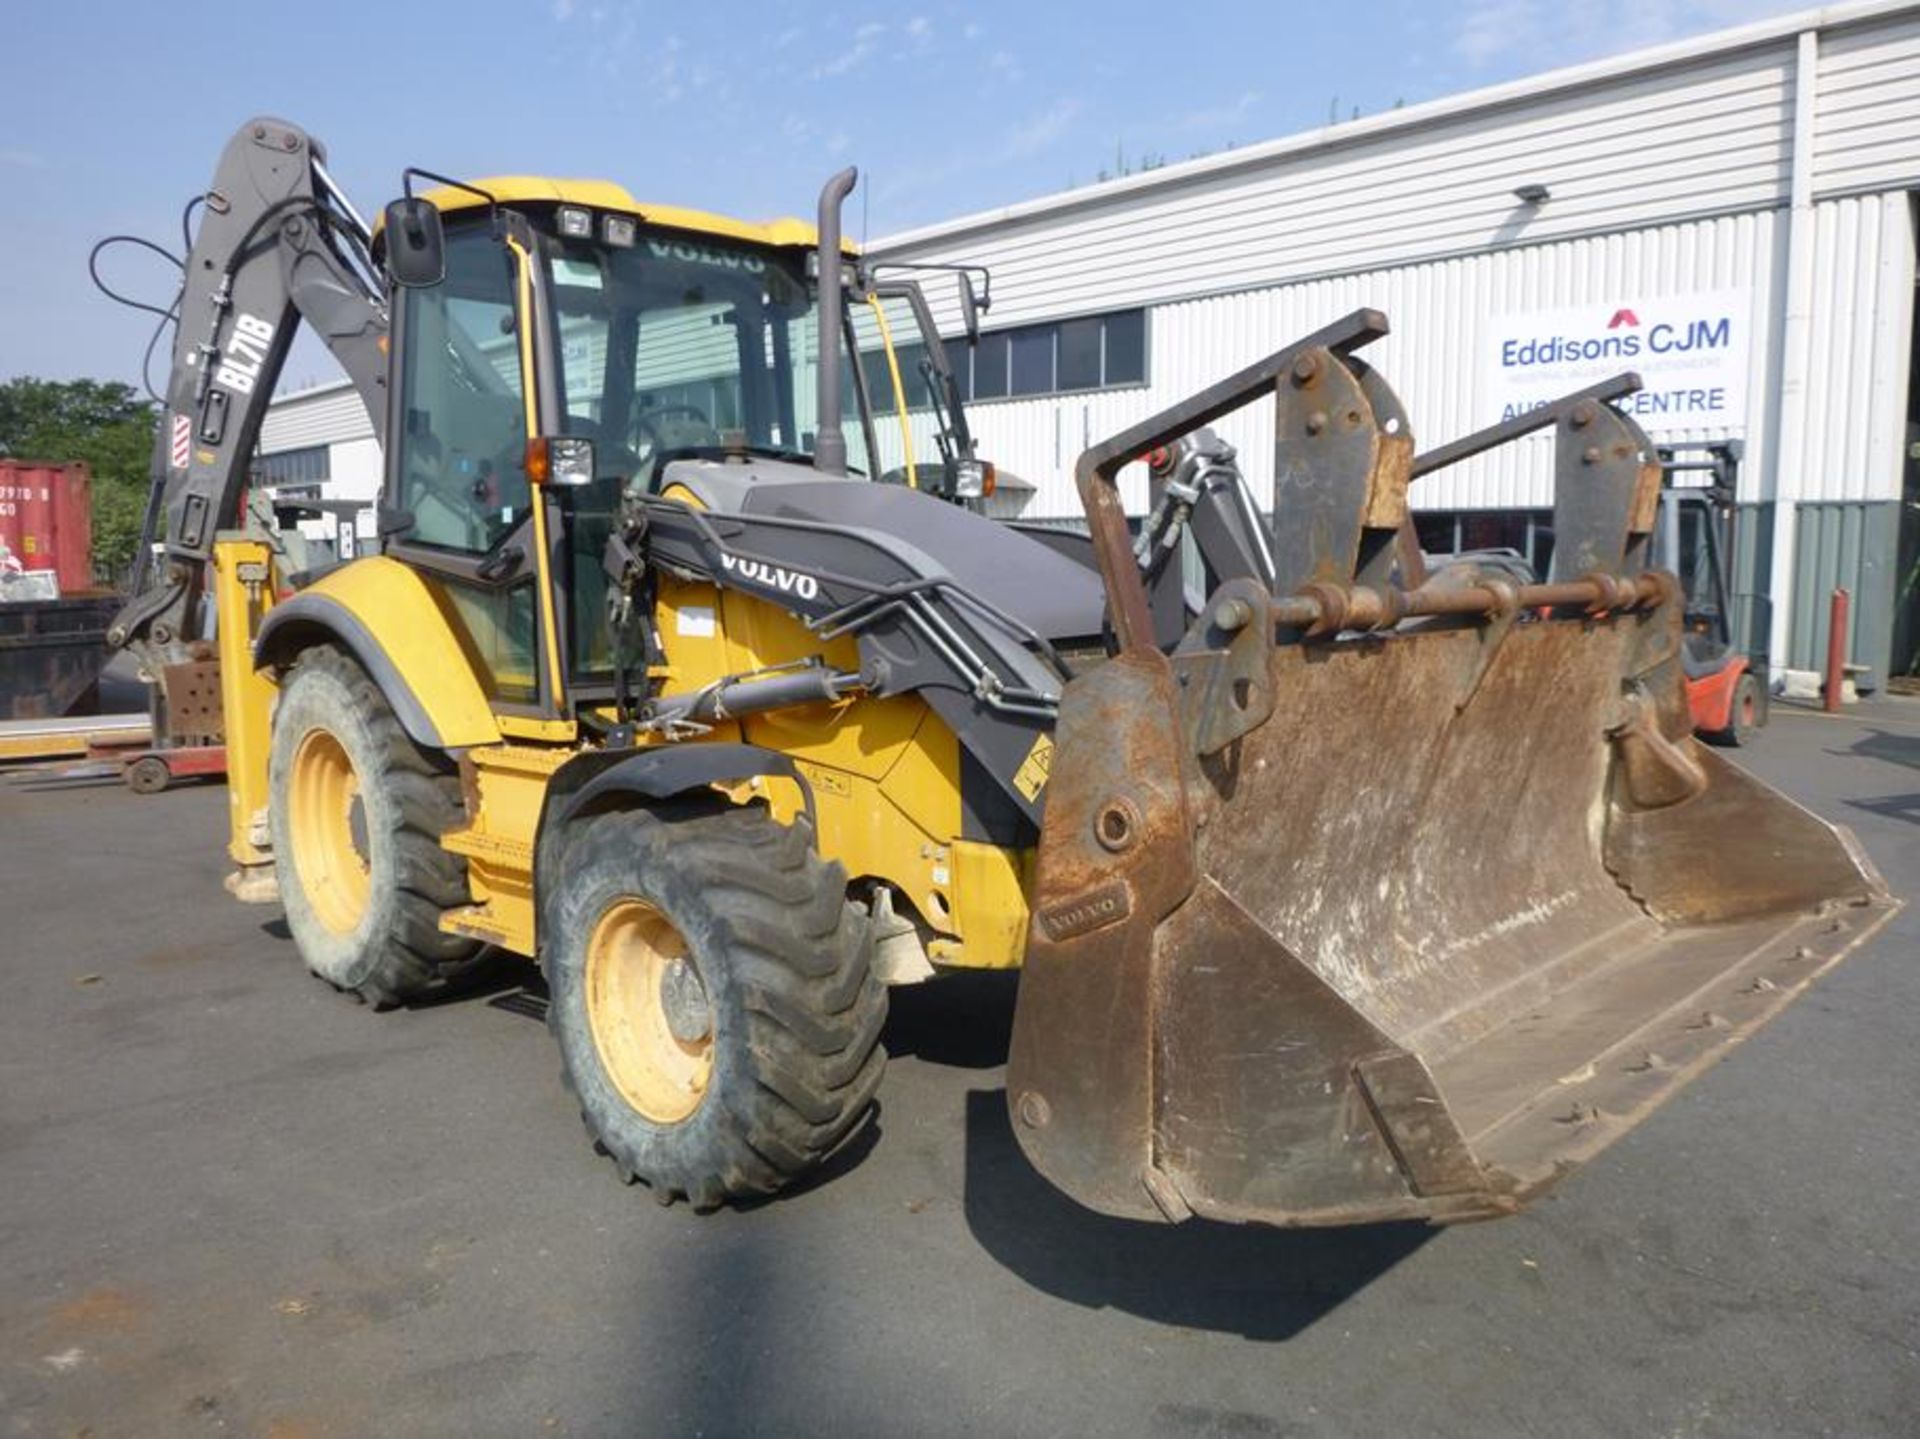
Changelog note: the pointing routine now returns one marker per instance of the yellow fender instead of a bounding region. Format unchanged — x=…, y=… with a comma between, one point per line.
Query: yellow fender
x=389, y=619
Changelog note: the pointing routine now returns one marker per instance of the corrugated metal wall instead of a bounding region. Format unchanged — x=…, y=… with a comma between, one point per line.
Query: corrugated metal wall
x=1748, y=570
x=1867, y=108
x=1858, y=337
x=314, y=417
x=1430, y=358
x=1849, y=544
x=1238, y=258
x=1629, y=152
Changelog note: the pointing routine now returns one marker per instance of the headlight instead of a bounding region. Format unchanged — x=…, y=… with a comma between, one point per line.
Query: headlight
x=559, y=460
x=972, y=479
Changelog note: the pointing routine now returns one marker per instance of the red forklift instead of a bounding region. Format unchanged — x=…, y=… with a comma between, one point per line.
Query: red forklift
x=1694, y=537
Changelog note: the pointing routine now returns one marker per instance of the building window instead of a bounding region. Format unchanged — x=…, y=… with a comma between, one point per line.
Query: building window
x=1077, y=355
x=1126, y=348
x=989, y=367
x=1096, y=352
x=287, y=467
x=1031, y=354
x=1529, y=533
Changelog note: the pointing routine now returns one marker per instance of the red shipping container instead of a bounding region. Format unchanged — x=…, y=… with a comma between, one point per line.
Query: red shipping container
x=46, y=518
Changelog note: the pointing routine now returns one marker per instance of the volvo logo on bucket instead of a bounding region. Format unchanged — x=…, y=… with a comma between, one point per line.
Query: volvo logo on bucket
x=1692, y=352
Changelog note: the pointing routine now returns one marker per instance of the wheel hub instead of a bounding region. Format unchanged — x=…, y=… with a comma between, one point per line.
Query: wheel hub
x=683, y=999
x=648, y=1009
x=332, y=852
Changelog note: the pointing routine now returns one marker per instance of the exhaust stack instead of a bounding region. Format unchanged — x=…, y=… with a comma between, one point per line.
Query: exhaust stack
x=830, y=439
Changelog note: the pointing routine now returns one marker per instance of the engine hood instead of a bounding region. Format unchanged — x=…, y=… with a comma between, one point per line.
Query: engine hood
x=1051, y=593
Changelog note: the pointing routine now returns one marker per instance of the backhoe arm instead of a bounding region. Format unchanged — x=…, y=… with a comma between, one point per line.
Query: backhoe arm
x=278, y=243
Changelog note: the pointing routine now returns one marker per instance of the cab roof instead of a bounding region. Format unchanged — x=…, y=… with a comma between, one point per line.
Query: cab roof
x=606, y=195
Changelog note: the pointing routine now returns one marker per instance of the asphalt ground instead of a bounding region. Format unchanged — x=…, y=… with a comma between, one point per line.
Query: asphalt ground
x=233, y=1202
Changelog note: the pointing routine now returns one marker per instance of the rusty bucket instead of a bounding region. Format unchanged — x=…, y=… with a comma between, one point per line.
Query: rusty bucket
x=1385, y=897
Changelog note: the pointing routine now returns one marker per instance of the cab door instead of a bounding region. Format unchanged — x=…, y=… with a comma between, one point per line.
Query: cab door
x=460, y=508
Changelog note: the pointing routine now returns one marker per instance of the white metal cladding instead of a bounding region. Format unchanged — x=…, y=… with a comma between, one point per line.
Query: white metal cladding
x=1867, y=108
x=1671, y=134
x=1669, y=175
x=1859, y=333
x=1430, y=359
x=354, y=469
x=314, y=417
x=1654, y=148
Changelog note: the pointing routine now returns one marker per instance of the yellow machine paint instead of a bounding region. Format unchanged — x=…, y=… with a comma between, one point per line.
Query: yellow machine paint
x=884, y=773
x=884, y=776
x=542, y=548
x=605, y=195
x=246, y=584
x=423, y=636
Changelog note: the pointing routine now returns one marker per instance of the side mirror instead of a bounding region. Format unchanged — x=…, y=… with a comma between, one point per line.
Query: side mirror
x=969, y=308
x=416, y=243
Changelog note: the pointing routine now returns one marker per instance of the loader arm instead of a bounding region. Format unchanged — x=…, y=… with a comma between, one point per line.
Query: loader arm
x=278, y=243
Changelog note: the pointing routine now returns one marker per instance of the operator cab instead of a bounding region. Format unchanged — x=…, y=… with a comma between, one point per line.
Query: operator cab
x=683, y=350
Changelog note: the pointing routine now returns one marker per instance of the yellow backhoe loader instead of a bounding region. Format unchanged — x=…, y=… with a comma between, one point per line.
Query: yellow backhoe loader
x=1344, y=890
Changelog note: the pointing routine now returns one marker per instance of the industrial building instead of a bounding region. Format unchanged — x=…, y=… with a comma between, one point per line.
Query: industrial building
x=1731, y=216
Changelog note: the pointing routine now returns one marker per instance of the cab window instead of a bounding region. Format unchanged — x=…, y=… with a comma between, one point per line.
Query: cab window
x=921, y=429
x=463, y=409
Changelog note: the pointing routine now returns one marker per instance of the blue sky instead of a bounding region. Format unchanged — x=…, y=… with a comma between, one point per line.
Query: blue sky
x=115, y=112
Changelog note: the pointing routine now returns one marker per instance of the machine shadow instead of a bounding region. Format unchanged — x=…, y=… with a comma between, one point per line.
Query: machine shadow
x=1262, y=1284
x=1884, y=745
x=1894, y=806
x=960, y=1021
x=503, y=980
x=43, y=781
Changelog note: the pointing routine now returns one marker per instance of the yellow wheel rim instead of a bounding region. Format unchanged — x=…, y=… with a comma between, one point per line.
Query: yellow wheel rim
x=334, y=868
x=648, y=1011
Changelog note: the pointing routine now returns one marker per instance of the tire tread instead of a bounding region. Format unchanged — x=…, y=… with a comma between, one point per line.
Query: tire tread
x=801, y=955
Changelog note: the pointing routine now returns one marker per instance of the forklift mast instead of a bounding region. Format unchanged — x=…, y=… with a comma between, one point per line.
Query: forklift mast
x=1697, y=538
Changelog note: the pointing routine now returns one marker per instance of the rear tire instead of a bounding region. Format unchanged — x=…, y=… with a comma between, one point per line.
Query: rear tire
x=713, y=998
x=1745, y=716
x=356, y=811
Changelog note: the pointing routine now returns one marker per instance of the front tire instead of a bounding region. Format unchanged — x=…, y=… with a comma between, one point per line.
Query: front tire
x=356, y=811
x=713, y=998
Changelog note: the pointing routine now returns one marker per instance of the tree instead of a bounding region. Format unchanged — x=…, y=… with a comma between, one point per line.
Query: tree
x=102, y=422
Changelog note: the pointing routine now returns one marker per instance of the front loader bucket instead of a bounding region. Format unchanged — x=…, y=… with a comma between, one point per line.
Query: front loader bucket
x=1380, y=900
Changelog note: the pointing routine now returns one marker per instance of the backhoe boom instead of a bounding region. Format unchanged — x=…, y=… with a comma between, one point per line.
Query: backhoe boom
x=277, y=244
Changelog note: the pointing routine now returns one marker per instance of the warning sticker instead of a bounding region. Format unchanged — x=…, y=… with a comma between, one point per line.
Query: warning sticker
x=1031, y=777
x=694, y=621
x=182, y=441
x=826, y=780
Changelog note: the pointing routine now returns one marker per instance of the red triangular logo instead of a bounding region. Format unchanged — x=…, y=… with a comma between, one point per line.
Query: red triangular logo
x=1623, y=317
